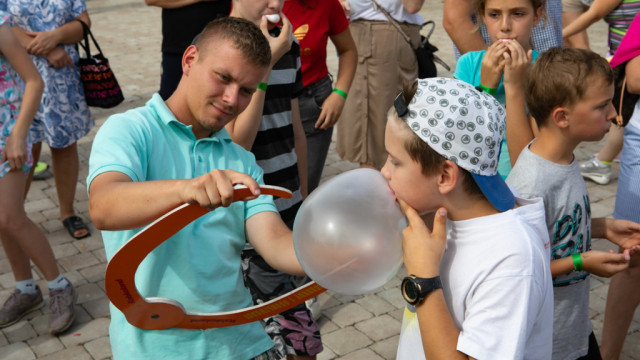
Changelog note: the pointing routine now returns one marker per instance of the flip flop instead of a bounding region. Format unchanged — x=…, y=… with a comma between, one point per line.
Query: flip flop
x=73, y=224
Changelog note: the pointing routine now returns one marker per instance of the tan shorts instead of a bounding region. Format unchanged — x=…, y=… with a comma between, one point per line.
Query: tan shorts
x=386, y=63
x=575, y=5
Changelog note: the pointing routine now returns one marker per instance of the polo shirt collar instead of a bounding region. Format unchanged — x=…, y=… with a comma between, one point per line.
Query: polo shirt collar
x=167, y=117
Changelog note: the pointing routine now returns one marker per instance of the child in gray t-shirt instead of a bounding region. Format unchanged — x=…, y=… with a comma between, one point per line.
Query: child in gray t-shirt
x=569, y=94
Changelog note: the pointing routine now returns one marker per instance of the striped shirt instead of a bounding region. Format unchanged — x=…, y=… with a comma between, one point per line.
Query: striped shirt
x=619, y=20
x=274, y=146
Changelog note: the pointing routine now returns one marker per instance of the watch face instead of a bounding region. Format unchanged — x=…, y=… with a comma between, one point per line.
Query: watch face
x=410, y=291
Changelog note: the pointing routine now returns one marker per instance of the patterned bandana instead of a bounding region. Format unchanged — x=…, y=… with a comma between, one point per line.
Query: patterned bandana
x=463, y=125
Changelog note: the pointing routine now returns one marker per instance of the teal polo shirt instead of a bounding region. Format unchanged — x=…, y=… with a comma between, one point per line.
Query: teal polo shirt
x=200, y=265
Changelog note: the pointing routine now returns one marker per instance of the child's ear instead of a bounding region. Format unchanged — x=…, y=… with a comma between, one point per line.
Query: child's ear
x=448, y=177
x=539, y=14
x=560, y=117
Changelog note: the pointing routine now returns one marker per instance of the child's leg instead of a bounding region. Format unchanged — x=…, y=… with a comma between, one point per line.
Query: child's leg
x=65, y=173
x=612, y=145
x=622, y=300
x=21, y=238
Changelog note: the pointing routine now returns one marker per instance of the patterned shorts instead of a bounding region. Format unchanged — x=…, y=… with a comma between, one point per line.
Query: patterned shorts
x=267, y=355
x=293, y=331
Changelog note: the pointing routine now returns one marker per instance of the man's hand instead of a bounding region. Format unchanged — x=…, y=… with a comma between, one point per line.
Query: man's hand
x=59, y=58
x=624, y=233
x=493, y=64
x=279, y=45
x=423, y=249
x=42, y=43
x=605, y=264
x=215, y=188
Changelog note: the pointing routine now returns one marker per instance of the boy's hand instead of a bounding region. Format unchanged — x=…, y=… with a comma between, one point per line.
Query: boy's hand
x=279, y=45
x=623, y=233
x=516, y=62
x=493, y=65
x=215, y=188
x=605, y=264
x=423, y=249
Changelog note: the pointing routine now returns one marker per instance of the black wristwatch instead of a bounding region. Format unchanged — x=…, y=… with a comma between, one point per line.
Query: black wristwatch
x=415, y=289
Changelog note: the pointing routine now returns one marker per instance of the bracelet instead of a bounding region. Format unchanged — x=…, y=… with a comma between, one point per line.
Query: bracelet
x=340, y=92
x=577, y=262
x=488, y=90
x=262, y=86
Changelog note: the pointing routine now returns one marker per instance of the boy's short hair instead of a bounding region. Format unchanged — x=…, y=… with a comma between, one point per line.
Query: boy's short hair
x=244, y=35
x=561, y=77
x=453, y=121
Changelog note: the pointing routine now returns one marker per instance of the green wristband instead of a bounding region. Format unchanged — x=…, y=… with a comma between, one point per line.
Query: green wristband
x=488, y=90
x=340, y=92
x=262, y=86
x=577, y=262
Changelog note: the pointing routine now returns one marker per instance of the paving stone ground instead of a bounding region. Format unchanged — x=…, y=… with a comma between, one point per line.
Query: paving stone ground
x=352, y=327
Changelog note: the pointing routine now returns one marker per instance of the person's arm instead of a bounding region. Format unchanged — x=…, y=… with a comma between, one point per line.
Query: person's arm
x=15, y=150
x=632, y=72
x=172, y=4
x=601, y=263
x=300, y=144
x=456, y=20
x=518, y=132
x=117, y=203
x=347, y=63
x=623, y=233
x=422, y=252
x=412, y=6
x=598, y=10
x=43, y=42
x=244, y=128
x=273, y=240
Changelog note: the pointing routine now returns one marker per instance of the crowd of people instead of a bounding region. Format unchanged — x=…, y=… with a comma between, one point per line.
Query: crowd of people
x=482, y=165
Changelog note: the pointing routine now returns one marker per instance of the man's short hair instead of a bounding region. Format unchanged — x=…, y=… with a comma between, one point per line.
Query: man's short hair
x=561, y=77
x=244, y=35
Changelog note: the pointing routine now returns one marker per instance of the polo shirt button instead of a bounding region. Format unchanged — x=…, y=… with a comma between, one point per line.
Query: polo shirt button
x=200, y=158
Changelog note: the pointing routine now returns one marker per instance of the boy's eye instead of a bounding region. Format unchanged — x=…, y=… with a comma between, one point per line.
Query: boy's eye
x=225, y=78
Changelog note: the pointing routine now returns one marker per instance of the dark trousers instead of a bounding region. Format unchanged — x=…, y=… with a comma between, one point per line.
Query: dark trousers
x=171, y=74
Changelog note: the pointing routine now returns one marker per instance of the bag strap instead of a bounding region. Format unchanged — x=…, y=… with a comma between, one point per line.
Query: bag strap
x=395, y=23
x=622, y=91
x=87, y=33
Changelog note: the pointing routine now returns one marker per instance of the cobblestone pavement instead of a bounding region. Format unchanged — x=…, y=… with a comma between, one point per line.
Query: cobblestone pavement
x=352, y=327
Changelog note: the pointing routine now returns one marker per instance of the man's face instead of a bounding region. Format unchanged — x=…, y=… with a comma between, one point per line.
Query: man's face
x=219, y=85
x=590, y=117
x=253, y=10
x=405, y=176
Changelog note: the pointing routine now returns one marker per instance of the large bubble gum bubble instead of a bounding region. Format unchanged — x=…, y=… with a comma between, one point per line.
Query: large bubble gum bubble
x=348, y=233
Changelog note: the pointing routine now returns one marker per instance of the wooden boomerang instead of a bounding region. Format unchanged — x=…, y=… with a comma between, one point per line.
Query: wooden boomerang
x=161, y=313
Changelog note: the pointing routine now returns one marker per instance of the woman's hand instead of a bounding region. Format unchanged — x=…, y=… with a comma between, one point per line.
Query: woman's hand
x=15, y=151
x=331, y=110
x=59, y=58
x=43, y=42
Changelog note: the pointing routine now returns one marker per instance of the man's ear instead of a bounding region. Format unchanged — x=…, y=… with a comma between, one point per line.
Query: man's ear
x=560, y=116
x=189, y=58
x=448, y=177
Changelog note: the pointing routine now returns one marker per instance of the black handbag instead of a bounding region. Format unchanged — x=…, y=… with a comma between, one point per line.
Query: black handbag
x=425, y=51
x=101, y=89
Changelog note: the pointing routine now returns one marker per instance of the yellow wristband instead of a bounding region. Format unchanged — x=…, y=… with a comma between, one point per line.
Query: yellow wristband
x=340, y=92
x=262, y=86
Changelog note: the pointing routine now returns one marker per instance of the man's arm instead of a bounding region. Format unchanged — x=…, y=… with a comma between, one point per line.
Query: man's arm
x=457, y=22
x=172, y=4
x=117, y=203
x=273, y=240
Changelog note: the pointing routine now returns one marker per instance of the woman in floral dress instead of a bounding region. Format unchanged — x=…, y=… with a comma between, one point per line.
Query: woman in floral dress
x=46, y=28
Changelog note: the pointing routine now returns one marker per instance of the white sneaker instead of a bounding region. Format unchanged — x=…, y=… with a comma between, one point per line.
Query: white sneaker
x=596, y=171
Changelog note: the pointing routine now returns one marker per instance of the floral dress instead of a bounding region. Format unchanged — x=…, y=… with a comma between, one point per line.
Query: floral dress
x=63, y=117
x=10, y=99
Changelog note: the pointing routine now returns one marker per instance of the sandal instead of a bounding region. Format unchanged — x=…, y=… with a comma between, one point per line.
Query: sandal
x=74, y=224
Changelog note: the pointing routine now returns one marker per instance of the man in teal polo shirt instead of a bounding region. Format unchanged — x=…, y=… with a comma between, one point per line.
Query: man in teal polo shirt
x=149, y=160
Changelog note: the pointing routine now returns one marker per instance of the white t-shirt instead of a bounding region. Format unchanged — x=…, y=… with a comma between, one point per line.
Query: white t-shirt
x=497, y=284
x=363, y=9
